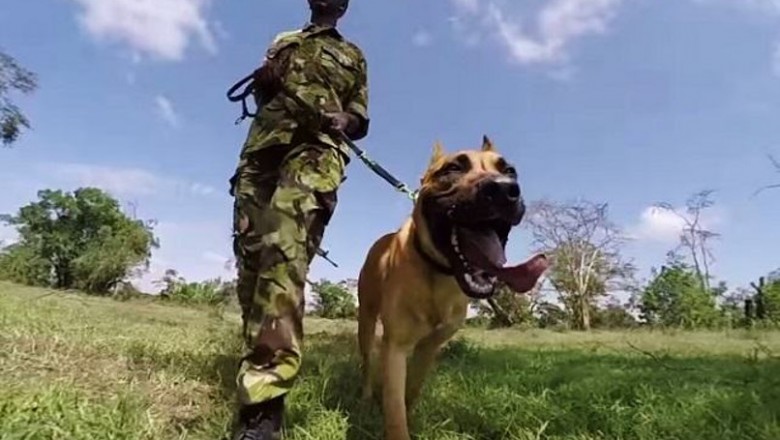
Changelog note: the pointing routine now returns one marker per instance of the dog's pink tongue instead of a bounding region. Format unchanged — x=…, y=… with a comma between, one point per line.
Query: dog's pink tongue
x=524, y=276
x=483, y=249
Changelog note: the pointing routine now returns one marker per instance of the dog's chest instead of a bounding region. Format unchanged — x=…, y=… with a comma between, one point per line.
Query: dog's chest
x=449, y=305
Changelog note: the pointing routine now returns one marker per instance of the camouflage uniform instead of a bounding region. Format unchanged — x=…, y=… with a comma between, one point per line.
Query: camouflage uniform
x=285, y=194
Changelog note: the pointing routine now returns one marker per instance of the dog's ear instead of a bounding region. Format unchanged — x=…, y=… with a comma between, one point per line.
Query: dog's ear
x=438, y=153
x=487, y=144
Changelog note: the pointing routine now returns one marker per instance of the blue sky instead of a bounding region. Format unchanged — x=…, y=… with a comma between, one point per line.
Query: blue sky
x=629, y=102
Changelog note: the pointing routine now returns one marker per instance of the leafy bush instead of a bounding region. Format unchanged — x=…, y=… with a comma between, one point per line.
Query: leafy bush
x=21, y=264
x=210, y=292
x=676, y=298
x=613, y=316
x=334, y=300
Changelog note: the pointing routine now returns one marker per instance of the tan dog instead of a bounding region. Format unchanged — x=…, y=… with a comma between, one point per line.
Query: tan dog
x=419, y=280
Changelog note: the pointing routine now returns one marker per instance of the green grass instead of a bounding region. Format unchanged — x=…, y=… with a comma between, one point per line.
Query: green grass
x=78, y=367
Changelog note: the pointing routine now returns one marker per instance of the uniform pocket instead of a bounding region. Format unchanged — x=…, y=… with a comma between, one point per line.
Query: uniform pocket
x=340, y=69
x=339, y=57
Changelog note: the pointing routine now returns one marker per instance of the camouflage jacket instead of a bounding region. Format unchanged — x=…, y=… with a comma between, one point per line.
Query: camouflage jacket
x=326, y=71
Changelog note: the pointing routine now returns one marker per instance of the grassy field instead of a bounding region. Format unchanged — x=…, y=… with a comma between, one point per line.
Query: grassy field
x=76, y=367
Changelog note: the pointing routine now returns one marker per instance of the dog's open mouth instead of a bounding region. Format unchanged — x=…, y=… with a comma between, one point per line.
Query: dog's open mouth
x=479, y=259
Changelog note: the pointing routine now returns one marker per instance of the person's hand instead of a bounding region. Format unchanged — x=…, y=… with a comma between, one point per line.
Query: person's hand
x=269, y=76
x=340, y=121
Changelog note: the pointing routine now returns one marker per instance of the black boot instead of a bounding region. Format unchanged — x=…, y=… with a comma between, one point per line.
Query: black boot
x=262, y=421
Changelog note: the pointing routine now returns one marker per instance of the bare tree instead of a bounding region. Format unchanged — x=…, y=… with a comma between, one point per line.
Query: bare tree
x=585, y=249
x=695, y=238
x=776, y=164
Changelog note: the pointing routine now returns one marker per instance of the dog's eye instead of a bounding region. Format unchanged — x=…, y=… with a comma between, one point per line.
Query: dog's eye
x=452, y=167
x=511, y=171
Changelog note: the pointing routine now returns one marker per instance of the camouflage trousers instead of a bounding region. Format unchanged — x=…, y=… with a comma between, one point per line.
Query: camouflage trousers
x=284, y=198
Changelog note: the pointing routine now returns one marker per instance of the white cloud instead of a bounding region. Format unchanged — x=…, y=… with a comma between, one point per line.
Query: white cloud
x=121, y=181
x=657, y=225
x=558, y=25
x=201, y=189
x=158, y=28
x=422, y=39
x=663, y=226
x=220, y=30
x=466, y=6
x=166, y=111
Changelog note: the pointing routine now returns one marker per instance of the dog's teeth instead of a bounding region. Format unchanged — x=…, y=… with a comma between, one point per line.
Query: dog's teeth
x=475, y=285
x=470, y=280
x=479, y=281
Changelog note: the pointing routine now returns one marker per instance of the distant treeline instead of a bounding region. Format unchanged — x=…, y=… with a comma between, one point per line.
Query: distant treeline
x=84, y=241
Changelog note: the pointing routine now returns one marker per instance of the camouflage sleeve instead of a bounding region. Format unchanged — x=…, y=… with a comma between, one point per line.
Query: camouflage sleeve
x=275, y=63
x=358, y=104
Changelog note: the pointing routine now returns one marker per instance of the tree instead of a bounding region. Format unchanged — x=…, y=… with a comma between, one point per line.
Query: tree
x=772, y=297
x=13, y=77
x=585, y=248
x=334, y=300
x=675, y=298
x=77, y=240
x=694, y=237
x=766, y=300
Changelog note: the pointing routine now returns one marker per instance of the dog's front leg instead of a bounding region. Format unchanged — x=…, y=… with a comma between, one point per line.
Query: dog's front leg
x=423, y=359
x=394, y=390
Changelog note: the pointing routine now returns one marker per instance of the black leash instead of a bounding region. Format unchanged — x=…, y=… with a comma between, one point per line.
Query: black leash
x=371, y=164
x=248, y=90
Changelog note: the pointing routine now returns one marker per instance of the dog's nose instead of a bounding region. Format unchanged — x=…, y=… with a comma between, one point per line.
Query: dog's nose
x=502, y=190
